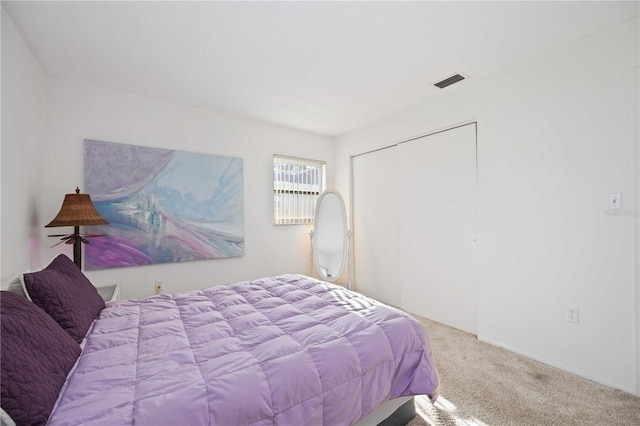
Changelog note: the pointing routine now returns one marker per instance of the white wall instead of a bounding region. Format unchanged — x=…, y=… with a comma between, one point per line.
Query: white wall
x=45, y=121
x=556, y=134
x=23, y=130
x=76, y=111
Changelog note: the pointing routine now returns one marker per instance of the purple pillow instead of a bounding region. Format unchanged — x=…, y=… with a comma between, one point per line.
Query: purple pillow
x=36, y=357
x=62, y=290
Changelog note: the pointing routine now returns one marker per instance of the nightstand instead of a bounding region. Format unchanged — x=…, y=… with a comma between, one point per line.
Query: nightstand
x=110, y=293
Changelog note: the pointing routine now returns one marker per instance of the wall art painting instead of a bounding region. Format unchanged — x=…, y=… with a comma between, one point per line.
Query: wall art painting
x=163, y=205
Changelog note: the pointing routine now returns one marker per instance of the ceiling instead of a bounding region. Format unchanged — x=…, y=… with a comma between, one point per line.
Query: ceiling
x=322, y=67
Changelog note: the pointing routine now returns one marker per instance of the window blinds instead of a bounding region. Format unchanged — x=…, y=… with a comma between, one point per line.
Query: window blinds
x=297, y=183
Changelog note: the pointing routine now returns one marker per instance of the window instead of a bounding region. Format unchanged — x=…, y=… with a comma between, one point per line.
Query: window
x=297, y=183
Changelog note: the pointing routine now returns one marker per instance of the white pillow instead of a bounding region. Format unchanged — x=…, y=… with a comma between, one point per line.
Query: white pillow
x=25, y=293
x=5, y=419
x=16, y=285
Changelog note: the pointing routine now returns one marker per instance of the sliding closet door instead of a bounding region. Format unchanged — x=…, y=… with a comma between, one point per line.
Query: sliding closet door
x=436, y=227
x=375, y=225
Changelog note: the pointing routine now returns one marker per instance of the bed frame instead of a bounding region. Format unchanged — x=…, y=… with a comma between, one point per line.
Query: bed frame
x=396, y=412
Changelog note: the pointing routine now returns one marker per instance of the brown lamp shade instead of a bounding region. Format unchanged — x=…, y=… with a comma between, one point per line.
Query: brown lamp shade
x=77, y=210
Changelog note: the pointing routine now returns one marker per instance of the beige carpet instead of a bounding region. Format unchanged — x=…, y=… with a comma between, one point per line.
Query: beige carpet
x=482, y=384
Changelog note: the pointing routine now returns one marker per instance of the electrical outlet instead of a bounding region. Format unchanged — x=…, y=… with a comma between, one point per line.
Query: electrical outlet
x=573, y=315
x=615, y=200
x=158, y=286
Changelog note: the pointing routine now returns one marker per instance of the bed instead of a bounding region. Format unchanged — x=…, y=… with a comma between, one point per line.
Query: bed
x=284, y=350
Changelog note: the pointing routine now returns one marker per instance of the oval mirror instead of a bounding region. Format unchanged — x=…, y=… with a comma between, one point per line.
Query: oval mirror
x=330, y=235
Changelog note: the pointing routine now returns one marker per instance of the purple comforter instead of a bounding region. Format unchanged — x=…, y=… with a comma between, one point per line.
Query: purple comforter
x=287, y=350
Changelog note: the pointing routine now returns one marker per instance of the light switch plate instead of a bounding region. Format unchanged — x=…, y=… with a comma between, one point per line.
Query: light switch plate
x=615, y=200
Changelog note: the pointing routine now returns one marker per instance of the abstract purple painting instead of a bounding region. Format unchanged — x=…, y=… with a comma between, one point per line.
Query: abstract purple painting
x=163, y=205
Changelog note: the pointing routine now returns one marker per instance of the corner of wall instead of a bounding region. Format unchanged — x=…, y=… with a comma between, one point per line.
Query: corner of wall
x=636, y=243
x=23, y=139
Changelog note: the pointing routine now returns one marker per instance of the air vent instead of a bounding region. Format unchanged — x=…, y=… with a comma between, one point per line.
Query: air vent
x=449, y=81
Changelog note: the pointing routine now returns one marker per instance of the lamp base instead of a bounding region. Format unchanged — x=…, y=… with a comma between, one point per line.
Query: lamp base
x=77, y=247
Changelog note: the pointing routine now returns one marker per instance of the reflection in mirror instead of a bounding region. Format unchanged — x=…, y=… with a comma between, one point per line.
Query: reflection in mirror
x=330, y=236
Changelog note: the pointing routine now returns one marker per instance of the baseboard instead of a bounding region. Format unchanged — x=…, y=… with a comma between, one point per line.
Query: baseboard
x=569, y=369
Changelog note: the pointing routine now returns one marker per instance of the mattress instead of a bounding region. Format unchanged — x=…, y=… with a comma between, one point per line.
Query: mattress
x=286, y=350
